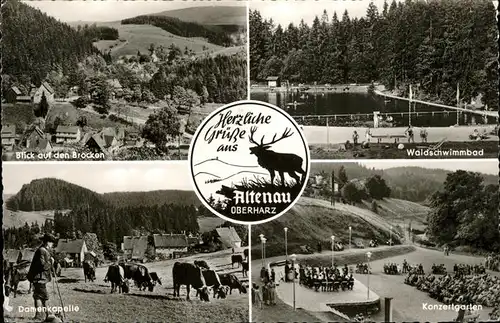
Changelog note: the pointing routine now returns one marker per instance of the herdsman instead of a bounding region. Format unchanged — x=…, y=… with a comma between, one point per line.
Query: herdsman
x=39, y=274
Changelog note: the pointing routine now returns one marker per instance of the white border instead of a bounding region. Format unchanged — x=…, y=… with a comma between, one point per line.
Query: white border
x=202, y=126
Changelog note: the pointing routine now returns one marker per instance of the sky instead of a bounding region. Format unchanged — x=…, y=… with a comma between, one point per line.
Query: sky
x=102, y=177
x=113, y=10
x=486, y=166
x=284, y=12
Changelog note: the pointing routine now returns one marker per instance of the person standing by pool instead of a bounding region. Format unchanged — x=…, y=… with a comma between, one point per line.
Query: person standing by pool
x=355, y=137
x=410, y=134
x=368, y=135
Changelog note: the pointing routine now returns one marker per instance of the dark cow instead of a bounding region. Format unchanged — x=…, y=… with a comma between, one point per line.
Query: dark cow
x=88, y=270
x=244, y=268
x=245, y=253
x=233, y=282
x=236, y=259
x=184, y=273
x=17, y=273
x=212, y=281
x=140, y=275
x=155, y=278
x=202, y=264
x=116, y=275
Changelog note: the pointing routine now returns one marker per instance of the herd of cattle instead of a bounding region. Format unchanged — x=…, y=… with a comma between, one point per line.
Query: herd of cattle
x=197, y=275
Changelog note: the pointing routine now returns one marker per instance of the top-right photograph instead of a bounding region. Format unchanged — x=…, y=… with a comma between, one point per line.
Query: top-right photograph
x=381, y=79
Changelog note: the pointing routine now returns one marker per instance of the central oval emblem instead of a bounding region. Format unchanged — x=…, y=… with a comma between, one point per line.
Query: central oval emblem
x=249, y=162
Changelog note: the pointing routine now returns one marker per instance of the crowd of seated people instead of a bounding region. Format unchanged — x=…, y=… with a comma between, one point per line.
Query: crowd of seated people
x=438, y=269
x=326, y=278
x=493, y=262
x=393, y=269
x=465, y=270
x=362, y=269
x=479, y=289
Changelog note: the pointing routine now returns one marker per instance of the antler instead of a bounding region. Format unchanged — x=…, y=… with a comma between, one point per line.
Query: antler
x=252, y=132
x=287, y=133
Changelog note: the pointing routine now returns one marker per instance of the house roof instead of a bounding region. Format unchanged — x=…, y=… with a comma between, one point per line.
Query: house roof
x=9, y=129
x=99, y=140
x=272, y=78
x=11, y=255
x=16, y=90
x=139, y=246
x=69, y=129
x=70, y=246
x=48, y=87
x=114, y=83
x=228, y=236
x=117, y=132
x=27, y=254
x=170, y=240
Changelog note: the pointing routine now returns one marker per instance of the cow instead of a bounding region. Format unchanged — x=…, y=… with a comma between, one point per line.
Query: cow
x=116, y=275
x=233, y=282
x=245, y=253
x=140, y=275
x=212, y=280
x=184, y=273
x=88, y=271
x=155, y=278
x=244, y=268
x=202, y=264
x=236, y=259
x=17, y=273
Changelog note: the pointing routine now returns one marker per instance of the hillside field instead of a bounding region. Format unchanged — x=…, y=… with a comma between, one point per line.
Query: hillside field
x=140, y=37
x=210, y=15
x=313, y=220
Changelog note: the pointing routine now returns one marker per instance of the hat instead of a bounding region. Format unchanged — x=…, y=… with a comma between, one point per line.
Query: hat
x=47, y=237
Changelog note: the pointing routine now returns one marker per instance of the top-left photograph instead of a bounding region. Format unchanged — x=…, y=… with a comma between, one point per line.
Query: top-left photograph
x=113, y=80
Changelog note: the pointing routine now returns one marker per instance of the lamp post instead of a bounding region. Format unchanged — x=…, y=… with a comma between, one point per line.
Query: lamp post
x=333, y=248
x=262, y=248
x=293, y=257
x=350, y=234
x=368, y=255
x=286, y=244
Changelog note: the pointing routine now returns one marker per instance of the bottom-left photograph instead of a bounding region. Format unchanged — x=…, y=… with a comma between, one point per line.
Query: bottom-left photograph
x=122, y=242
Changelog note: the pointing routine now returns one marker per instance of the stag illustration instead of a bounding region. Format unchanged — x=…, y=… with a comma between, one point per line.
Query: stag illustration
x=273, y=161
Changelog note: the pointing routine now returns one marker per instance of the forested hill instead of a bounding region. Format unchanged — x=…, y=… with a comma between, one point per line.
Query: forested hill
x=414, y=184
x=181, y=28
x=55, y=194
x=33, y=43
x=52, y=194
x=123, y=199
x=436, y=44
x=213, y=15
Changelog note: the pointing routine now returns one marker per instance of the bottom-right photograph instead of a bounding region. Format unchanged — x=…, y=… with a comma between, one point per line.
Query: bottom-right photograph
x=383, y=241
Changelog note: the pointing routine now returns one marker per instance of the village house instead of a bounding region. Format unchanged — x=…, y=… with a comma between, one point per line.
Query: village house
x=115, y=87
x=74, y=249
x=37, y=93
x=36, y=139
x=228, y=237
x=135, y=248
x=68, y=134
x=170, y=244
x=105, y=140
x=8, y=137
x=132, y=138
x=273, y=81
x=12, y=94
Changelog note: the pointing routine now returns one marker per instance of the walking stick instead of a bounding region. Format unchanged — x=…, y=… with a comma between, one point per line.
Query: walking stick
x=59, y=292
